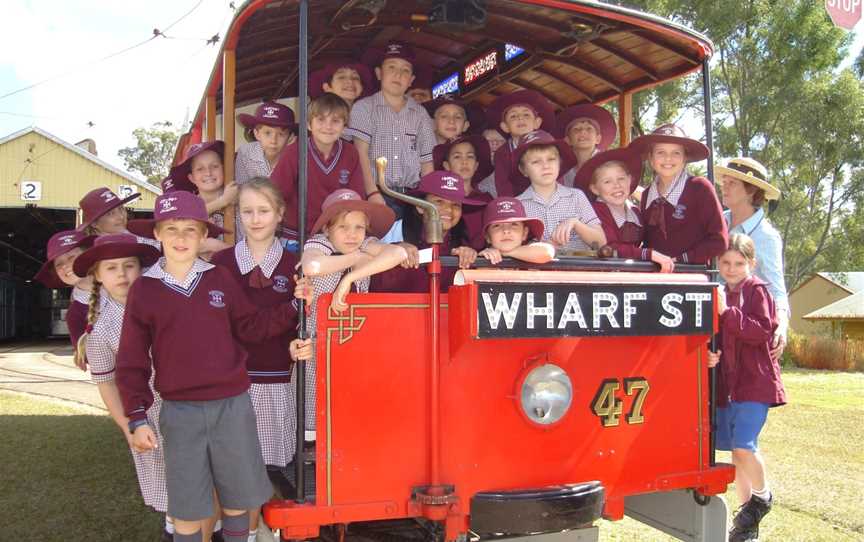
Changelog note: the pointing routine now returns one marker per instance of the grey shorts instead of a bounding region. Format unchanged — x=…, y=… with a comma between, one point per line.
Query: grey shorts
x=212, y=445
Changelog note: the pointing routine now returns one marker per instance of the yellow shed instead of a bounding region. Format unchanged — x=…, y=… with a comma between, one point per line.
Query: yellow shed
x=818, y=291
x=845, y=316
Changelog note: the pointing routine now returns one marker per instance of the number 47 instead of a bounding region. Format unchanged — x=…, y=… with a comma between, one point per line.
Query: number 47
x=609, y=408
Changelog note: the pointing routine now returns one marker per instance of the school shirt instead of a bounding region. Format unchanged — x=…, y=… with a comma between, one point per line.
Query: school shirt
x=399, y=279
x=266, y=285
x=695, y=229
x=769, y=254
x=189, y=328
x=325, y=175
x=748, y=372
x=405, y=138
x=565, y=203
x=509, y=181
x=624, y=232
x=250, y=162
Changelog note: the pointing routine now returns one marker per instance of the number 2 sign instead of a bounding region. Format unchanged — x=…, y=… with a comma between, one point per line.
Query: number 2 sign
x=31, y=191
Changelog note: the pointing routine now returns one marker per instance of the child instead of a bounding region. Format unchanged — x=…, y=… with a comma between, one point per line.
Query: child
x=113, y=264
x=568, y=218
x=341, y=255
x=610, y=178
x=265, y=273
x=271, y=128
x=348, y=80
x=393, y=125
x=102, y=211
x=449, y=117
x=682, y=215
x=182, y=319
x=511, y=234
x=516, y=114
x=749, y=382
x=588, y=129
x=333, y=164
x=446, y=191
x=57, y=272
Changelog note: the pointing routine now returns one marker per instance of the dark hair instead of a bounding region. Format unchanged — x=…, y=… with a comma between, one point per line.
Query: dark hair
x=757, y=194
x=412, y=229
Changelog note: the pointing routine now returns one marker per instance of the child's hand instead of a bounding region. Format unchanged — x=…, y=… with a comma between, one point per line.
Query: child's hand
x=229, y=194
x=338, y=303
x=413, y=259
x=467, y=255
x=144, y=439
x=714, y=358
x=562, y=233
x=667, y=264
x=721, y=301
x=491, y=254
x=301, y=349
x=303, y=289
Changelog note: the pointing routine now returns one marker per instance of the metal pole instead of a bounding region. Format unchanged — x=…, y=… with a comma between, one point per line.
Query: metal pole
x=709, y=140
x=303, y=162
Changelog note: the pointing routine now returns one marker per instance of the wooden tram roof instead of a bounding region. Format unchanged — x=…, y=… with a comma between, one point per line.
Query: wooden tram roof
x=577, y=51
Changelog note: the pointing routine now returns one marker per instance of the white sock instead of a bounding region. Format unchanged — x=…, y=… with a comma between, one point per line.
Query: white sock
x=169, y=525
x=252, y=535
x=217, y=526
x=763, y=493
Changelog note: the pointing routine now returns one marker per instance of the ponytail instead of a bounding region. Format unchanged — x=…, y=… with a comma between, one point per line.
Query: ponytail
x=92, y=316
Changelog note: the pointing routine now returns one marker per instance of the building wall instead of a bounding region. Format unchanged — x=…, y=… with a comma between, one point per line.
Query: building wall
x=853, y=329
x=64, y=174
x=814, y=294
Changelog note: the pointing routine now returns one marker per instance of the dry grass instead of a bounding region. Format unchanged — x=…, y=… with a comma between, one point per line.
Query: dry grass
x=821, y=352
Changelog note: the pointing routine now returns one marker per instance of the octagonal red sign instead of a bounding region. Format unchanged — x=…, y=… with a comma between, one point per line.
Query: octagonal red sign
x=844, y=13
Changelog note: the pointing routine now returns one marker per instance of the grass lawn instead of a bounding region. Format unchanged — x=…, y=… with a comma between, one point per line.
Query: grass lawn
x=67, y=474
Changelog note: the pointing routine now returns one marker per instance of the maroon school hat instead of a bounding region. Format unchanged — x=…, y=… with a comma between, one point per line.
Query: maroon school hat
x=175, y=205
x=99, y=201
x=445, y=99
x=180, y=173
x=542, y=137
x=670, y=133
x=380, y=216
x=447, y=185
x=269, y=114
x=115, y=245
x=602, y=120
x=59, y=244
x=325, y=75
x=631, y=159
x=481, y=150
x=501, y=210
x=529, y=98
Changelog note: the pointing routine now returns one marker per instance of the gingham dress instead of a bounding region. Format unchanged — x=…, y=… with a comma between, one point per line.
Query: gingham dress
x=274, y=404
x=102, y=347
x=565, y=203
x=322, y=284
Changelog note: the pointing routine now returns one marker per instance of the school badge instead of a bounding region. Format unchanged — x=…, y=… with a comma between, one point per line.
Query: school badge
x=217, y=298
x=678, y=213
x=343, y=176
x=280, y=284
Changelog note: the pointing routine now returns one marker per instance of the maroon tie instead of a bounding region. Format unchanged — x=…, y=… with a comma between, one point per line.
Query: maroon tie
x=657, y=214
x=257, y=279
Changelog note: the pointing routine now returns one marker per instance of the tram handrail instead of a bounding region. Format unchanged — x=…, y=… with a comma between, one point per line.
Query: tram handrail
x=571, y=263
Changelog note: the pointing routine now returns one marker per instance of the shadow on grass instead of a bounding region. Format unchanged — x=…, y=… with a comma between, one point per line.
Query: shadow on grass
x=69, y=477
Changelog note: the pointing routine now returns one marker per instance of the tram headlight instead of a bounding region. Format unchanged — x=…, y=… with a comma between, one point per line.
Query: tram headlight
x=546, y=394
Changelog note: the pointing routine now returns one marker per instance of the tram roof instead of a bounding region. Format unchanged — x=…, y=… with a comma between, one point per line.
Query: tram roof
x=576, y=51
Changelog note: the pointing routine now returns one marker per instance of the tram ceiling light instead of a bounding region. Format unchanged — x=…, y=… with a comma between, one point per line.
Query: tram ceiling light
x=546, y=394
x=458, y=15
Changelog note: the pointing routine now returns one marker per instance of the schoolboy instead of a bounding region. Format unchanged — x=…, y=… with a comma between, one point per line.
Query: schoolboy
x=568, y=218
x=588, y=129
x=344, y=78
x=182, y=319
x=393, y=125
x=449, y=117
x=267, y=132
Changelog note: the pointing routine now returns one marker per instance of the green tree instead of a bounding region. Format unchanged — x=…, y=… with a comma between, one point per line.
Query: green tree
x=154, y=152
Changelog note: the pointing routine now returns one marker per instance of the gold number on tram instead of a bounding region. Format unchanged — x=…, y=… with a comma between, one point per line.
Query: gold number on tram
x=606, y=406
x=640, y=387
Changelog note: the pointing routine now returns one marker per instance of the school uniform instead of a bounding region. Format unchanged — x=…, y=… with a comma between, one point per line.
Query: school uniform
x=102, y=344
x=565, y=203
x=402, y=280
x=250, y=162
x=325, y=174
x=268, y=284
x=473, y=218
x=623, y=230
x=686, y=224
x=509, y=181
x=185, y=331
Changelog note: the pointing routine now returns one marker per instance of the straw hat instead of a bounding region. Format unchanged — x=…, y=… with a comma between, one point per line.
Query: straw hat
x=749, y=171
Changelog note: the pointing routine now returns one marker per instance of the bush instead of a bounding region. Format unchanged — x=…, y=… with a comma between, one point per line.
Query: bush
x=817, y=352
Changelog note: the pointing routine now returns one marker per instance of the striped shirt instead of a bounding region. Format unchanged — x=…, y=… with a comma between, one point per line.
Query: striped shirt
x=405, y=138
x=564, y=204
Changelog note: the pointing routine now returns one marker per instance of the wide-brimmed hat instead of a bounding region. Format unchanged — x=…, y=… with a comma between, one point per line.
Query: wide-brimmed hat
x=481, y=150
x=631, y=159
x=115, y=245
x=380, y=216
x=179, y=205
x=445, y=99
x=447, y=185
x=501, y=210
x=529, y=98
x=749, y=171
x=99, y=201
x=269, y=114
x=602, y=120
x=180, y=173
x=542, y=137
x=59, y=244
x=670, y=133
x=325, y=75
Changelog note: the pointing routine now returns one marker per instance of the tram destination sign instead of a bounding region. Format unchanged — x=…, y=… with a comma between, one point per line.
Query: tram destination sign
x=507, y=310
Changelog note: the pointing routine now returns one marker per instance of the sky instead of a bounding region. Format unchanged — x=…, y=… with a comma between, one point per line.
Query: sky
x=162, y=79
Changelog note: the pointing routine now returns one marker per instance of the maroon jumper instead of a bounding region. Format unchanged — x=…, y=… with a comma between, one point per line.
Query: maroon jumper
x=626, y=239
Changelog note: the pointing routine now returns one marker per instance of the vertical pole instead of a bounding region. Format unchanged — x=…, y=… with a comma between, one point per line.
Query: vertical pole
x=228, y=80
x=303, y=163
x=434, y=270
x=625, y=118
x=709, y=141
x=210, y=116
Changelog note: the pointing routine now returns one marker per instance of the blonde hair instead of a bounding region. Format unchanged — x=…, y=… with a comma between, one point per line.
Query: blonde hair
x=538, y=148
x=341, y=216
x=329, y=104
x=604, y=165
x=743, y=245
x=92, y=316
x=265, y=187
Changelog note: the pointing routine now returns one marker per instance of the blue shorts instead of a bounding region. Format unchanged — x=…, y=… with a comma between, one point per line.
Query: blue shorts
x=739, y=425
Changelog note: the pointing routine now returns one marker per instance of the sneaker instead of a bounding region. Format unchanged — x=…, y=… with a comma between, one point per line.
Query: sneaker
x=746, y=520
x=166, y=536
x=747, y=535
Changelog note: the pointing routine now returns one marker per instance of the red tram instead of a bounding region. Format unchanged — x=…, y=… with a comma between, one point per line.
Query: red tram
x=523, y=401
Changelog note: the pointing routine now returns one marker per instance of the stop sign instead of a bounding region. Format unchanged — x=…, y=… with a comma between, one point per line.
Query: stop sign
x=844, y=13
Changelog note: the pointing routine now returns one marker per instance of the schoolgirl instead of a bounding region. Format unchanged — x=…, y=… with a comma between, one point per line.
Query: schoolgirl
x=510, y=233
x=267, y=132
x=609, y=179
x=682, y=214
x=749, y=383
